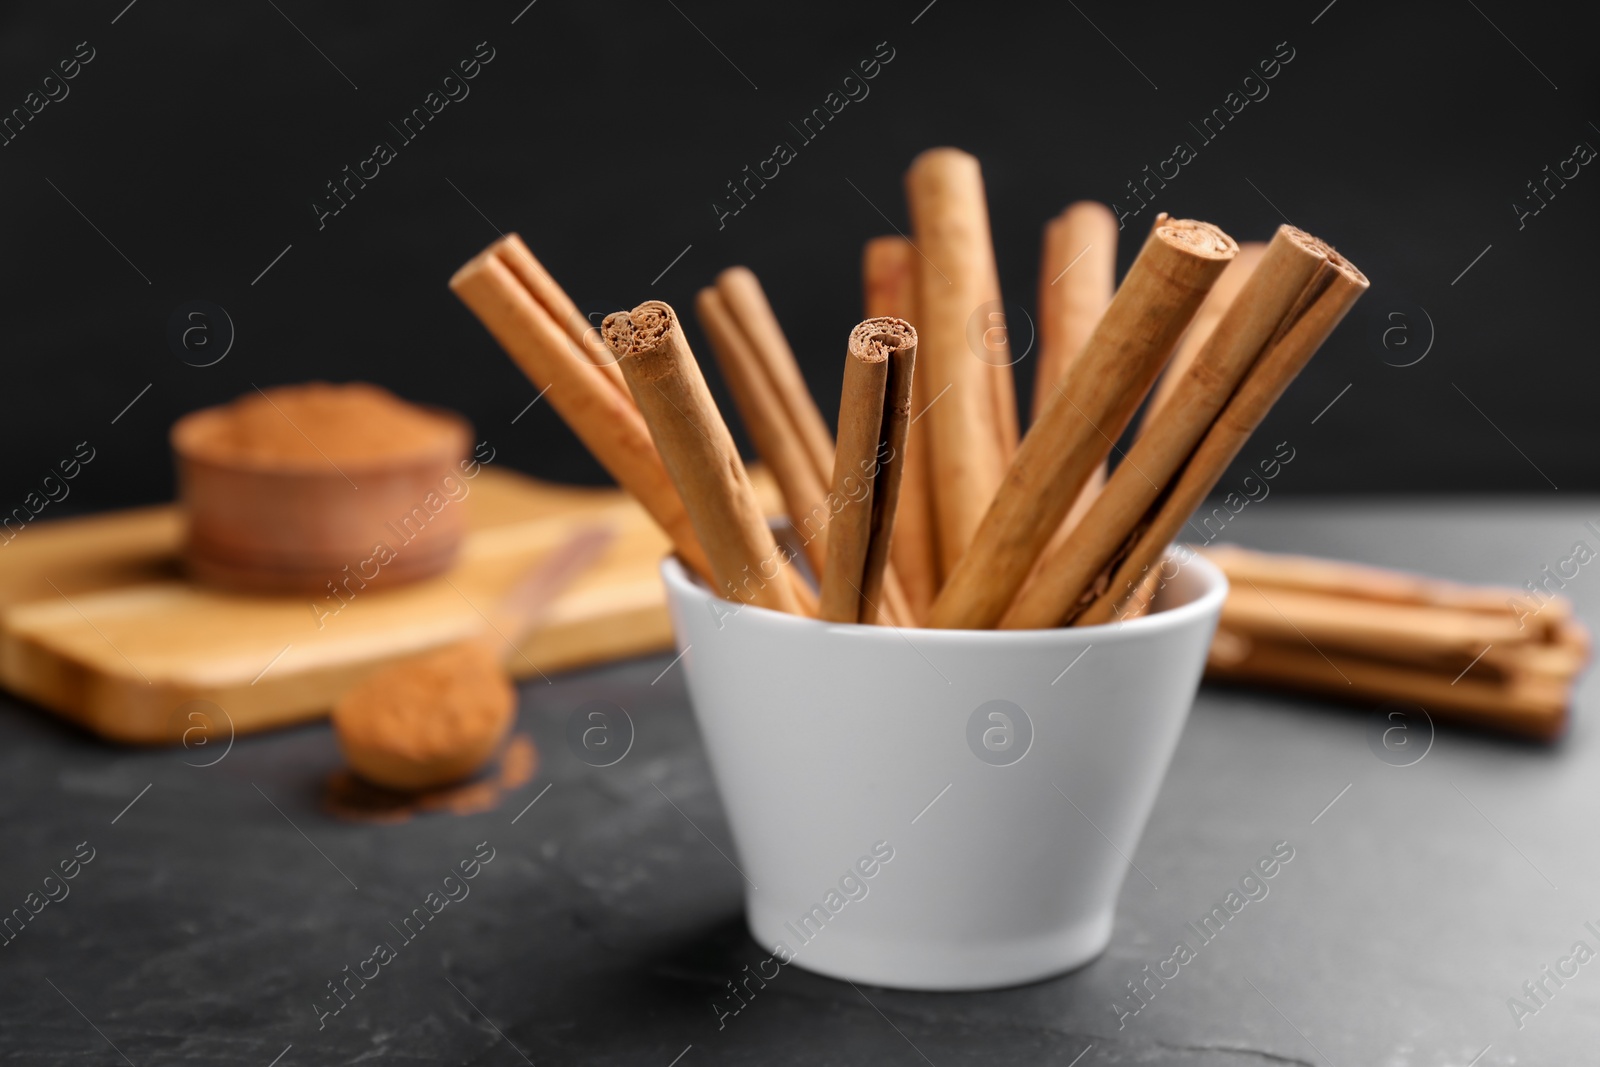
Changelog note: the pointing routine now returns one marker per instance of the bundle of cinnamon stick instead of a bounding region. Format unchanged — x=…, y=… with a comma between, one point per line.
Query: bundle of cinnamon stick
x=926, y=507
x=1479, y=655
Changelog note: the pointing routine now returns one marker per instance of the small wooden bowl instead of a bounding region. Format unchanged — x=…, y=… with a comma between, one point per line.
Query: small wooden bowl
x=323, y=520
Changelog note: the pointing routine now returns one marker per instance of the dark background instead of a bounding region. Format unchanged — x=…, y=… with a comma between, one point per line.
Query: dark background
x=199, y=136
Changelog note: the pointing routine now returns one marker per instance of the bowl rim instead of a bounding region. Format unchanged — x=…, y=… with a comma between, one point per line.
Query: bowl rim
x=1208, y=604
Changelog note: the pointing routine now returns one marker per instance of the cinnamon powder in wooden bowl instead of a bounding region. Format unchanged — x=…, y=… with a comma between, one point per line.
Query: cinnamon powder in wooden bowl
x=306, y=487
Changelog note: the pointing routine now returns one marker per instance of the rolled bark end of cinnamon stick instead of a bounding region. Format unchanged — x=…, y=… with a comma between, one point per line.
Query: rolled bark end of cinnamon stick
x=874, y=340
x=1348, y=270
x=874, y=413
x=639, y=332
x=1198, y=238
x=746, y=562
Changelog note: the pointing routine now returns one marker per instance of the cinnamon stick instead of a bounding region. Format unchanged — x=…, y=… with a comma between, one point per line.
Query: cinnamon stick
x=881, y=591
x=874, y=410
x=603, y=417
x=1221, y=297
x=1340, y=578
x=698, y=451
x=1444, y=640
x=1535, y=708
x=767, y=418
x=1428, y=636
x=1233, y=346
x=583, y=334
x=1396, y=616
x=1176, y=267
x=1335, y=288
x=781, y=417
x=889, y=278
x=803, y=423
x=1077, y=276
x=962, y=341
x=1562, y=654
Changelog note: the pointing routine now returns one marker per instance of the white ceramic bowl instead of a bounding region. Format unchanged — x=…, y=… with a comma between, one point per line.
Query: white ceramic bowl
x=1005, y=775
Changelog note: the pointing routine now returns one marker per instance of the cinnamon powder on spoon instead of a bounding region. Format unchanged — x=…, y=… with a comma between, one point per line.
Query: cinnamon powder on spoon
x=429, y=720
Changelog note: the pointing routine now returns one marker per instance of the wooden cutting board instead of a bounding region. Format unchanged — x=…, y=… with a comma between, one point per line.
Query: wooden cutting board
x=98, y=624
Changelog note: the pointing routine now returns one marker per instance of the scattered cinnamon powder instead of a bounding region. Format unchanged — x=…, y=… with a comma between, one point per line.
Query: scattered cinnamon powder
x=349, y=797
x=313, y=424
x=427, y=721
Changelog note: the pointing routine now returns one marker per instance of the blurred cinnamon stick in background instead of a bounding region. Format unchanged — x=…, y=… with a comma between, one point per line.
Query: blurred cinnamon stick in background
x=770, y=424
x=1421, y=633
x=1077, y=277
x=747, y=303
x=1314, y=575
x=1464, y=653
x=962, y=343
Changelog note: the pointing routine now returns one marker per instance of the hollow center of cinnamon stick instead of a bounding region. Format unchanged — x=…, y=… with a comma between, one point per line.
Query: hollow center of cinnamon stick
x=874, y=340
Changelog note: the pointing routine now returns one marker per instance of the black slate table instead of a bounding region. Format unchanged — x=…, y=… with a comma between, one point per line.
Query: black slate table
x=220, y=901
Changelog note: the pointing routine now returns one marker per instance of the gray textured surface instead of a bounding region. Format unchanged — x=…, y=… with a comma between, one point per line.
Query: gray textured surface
x=206, y=925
